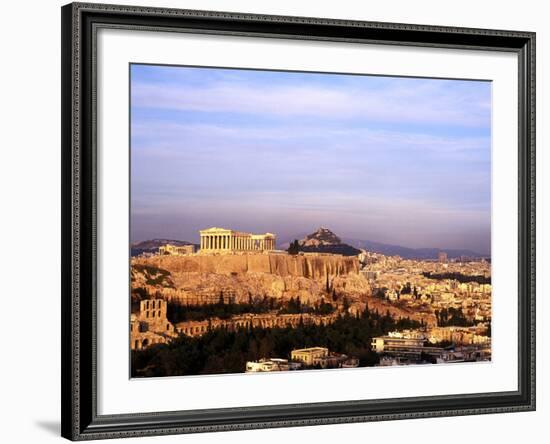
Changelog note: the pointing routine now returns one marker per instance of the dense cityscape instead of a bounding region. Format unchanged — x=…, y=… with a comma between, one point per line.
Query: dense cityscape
x=235, y=303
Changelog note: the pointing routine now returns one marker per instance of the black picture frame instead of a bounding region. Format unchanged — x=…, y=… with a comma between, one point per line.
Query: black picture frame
x=80, y=420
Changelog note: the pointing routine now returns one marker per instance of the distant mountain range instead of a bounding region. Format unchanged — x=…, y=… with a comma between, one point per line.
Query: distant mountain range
x=410, y=253
x=325, y=241
x=152, y=246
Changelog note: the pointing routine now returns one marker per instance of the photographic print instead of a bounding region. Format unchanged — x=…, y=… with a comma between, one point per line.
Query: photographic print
x=300, y=221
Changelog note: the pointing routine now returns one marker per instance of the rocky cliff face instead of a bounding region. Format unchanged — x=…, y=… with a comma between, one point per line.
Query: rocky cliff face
x=272, y=275
x=318, y=268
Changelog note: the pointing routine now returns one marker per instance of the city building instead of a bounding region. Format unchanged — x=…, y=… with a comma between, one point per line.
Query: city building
x=321, y=357
x=271, y=365
x=442, y=257
x=175, y=250
x=399, y=347
x=309, y=356
x=220, y=240
x=411, y=347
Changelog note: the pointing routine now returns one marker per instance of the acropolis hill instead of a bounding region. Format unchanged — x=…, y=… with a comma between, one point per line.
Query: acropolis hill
x=235, y=302
x=238, y=266
x=271, y=274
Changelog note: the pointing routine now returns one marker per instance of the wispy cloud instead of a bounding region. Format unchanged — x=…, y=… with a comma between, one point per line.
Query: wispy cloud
x=425, y=103
x=389, y=159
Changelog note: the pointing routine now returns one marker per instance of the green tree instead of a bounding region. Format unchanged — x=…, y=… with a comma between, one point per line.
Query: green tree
x=294, y=247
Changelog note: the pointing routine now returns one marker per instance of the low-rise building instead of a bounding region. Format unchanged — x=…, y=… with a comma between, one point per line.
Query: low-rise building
x=309, y=356
x=323, y=358
x=410, y=348
x=271, y=365
x=176, y=250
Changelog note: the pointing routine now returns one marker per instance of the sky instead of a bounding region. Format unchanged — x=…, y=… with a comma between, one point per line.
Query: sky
x=405, y=161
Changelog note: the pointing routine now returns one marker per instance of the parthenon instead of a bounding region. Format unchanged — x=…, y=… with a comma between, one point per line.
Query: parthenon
x=222, y=240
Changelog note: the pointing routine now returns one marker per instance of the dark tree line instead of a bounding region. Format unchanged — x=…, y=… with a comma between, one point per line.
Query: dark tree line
x=177, y=312
x=294, y=247
x=462, y=278
x=226, y=351
x=295, y=306
x=451, y=316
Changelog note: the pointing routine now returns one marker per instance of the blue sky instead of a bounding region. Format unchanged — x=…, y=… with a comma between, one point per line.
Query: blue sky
x=395, y=160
